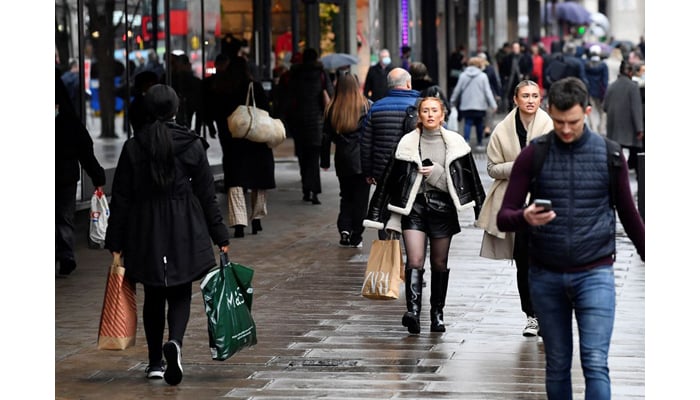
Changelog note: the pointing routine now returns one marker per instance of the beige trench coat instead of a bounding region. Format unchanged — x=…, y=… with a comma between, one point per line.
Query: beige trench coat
x=502, y=150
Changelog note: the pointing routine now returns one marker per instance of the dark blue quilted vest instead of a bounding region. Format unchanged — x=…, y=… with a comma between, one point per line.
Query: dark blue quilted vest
x=575, y=178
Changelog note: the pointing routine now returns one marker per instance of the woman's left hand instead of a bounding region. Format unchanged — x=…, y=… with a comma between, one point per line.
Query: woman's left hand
x=425, y=170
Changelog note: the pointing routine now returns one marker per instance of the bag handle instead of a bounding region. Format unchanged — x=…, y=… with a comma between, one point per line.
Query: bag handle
x=223, y=260
x=250, y=95
x=251, y=112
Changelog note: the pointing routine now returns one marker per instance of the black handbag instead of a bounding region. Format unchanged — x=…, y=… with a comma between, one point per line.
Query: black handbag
x=438, y=201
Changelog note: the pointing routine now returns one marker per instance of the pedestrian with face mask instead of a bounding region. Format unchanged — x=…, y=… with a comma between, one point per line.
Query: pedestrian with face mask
x=375, y=82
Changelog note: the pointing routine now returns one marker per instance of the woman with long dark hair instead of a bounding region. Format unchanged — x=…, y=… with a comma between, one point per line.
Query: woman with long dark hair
x=343, y=126
x=164, y=216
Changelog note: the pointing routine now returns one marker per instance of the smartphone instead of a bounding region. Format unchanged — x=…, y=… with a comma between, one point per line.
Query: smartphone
x=427, y=162
x=547, y=204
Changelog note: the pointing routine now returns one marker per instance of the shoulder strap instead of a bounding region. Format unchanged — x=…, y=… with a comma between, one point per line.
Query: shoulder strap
x=541, y=148
x=614, y=151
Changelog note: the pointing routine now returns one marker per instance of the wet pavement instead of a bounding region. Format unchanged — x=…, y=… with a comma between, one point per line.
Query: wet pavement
x=319, y=338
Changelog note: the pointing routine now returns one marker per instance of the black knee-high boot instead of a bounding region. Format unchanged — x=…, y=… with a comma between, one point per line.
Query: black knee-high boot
x=438, y=292
x=414, y=293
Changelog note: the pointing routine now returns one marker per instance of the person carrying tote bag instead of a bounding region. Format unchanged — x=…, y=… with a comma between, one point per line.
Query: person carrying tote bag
x=118, y=318
x=163, y=198
x=384, y=272
x=430, y=178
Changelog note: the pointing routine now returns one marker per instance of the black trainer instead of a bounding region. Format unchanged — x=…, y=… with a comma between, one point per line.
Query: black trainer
x=173, y=368
x=344, y=239
x=66, y=267
x=356, y=241
x=155, y=371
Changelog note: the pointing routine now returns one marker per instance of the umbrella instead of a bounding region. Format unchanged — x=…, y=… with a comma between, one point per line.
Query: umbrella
x=601, y=20
x=571, y=12
x=338, y=60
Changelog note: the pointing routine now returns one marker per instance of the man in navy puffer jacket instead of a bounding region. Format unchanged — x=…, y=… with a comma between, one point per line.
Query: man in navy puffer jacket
x=384, y=126
x=384, y=123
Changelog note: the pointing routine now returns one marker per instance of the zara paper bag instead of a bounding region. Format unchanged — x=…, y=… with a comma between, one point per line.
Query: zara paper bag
x=383, y=274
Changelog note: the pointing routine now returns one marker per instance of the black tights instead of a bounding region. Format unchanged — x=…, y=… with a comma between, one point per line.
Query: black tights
x=179, y=299
x=416, y=246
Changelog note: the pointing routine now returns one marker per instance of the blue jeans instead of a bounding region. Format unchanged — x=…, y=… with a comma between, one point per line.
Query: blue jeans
x=591, y=296
x=475, y=118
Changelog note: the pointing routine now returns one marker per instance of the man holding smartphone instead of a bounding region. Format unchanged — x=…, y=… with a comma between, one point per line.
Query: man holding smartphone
x=572, y=246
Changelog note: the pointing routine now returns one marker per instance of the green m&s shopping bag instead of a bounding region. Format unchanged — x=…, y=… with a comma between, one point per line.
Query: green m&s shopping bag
x=228, y=299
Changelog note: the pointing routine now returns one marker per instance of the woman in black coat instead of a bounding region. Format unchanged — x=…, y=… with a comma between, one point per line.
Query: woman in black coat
x=343, y=126
x=305, y=119
x=248, y=165
x=164, y=216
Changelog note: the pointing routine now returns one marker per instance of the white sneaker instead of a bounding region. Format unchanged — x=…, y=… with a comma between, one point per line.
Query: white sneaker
x=532, y=328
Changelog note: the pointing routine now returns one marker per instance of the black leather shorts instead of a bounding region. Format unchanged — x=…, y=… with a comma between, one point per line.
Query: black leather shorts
x=435, y=222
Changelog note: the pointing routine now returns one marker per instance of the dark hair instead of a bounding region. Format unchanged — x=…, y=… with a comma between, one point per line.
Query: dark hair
x=221, y=58
x=240, y=71
x=568, y=92
x=309, y=56
x=145, y=79
x=626, y=68
x=436, y=91
x=418, y=70
x=161, y=104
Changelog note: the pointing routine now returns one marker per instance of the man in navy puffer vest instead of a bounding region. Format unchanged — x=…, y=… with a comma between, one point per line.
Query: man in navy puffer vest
x=572, y=246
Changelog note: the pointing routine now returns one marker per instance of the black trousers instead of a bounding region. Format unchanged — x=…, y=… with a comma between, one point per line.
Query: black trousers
x=633, y=157
x=522, y=265
x=65, y=215
x=310, y=168
x=179, y=299
x=354, y=199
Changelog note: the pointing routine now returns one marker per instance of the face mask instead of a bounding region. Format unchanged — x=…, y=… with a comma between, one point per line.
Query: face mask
x=56, y=113
x=386, y=60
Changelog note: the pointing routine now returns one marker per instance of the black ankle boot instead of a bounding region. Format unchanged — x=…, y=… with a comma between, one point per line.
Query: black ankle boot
x=314, y=199
x=414, y=293
x=238, y=231
x=438, y=292
x=257, y=226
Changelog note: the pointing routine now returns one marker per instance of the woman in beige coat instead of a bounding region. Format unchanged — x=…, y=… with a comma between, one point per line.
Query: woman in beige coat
x=525, y=122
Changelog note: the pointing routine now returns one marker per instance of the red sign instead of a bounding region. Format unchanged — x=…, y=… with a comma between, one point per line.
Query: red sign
x=178, y=25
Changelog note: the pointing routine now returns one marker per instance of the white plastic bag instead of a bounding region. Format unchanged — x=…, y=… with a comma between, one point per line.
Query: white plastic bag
x=452, y=123
x=99, y=214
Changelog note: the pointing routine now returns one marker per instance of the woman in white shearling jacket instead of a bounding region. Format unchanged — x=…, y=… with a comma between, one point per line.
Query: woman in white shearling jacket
x=431, y=176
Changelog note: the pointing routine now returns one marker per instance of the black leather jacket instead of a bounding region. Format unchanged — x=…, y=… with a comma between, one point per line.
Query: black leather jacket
x=397, y=189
